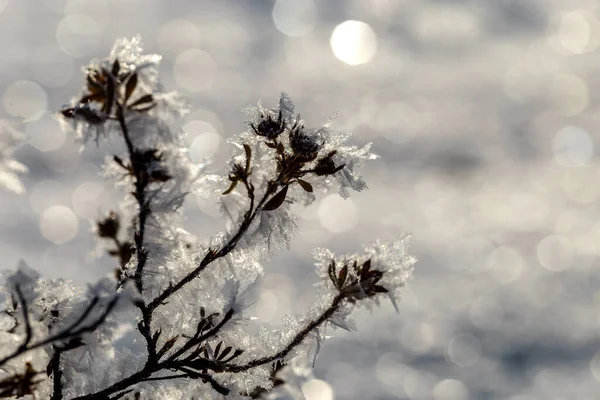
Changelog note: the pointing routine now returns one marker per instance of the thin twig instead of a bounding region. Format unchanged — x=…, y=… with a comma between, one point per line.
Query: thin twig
x=28, y=332
x=197, y=375
x=197, y=340
x=142, y=254
x=140, y=192
x=67, y=333
x=299, y=338
x=56, y=374
x=214, y=255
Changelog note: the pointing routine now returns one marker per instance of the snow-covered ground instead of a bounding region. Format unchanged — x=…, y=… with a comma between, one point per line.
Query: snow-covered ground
x=484, y=114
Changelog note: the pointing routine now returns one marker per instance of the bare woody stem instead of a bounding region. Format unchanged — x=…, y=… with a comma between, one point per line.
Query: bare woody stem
x=140, y=193
x=189, y=366
x=199, y=339
x=57, y=374
x=141, y=182
x=74, y=330
x=297, y=340
x=150, y=368
x=214, y=255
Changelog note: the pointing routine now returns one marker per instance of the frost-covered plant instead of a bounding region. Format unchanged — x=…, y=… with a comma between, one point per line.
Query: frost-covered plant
x=172, y=322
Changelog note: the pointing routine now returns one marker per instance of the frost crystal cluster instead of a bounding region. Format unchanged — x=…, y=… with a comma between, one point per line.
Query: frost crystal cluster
x=171, y=322
x=9, y=167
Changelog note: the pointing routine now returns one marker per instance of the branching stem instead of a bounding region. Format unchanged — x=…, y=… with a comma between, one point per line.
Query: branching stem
x=141, y=182
x=56, y=374
x=76, y=329
x=214, y=255
x=299, y=338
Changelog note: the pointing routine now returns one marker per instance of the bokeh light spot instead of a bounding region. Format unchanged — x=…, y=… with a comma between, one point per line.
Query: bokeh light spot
x=595, y=366
x=99, y=9
x=194, y=70
x=205, y=145
x=353, y=42
x=506, y=264
x=316, y=389
x=53, y=68
x=446, y=25
x=65, y=159
x=399, y=122
x=337, y=214
x=25, y=99
x=196, y=127
x=573, y=146
x=78, y=35
x=418, y=385
x=485, y=313
x=570, y=94
x=294, y=17
x=578, y=32
x=450, y=389
x=464, y=350
x=86, y=199
x=177, y=36
x=580, y=185
x=58, y=224
x=389, y=370
x=270, y=305
x=555, y=252
x=46, y=193
x=45, y=133
x=57, y=6
x=417, y=338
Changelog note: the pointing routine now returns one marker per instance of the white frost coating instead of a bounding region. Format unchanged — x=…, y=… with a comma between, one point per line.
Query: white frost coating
x=9, y=167
x=130, y=56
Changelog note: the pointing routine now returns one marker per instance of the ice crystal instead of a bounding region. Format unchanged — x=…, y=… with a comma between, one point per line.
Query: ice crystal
x=9, y=167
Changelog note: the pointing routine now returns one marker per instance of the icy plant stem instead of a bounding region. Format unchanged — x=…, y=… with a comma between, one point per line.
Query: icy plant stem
x=299, y=338
x=140, y=192
x=142, y=255
x=214, y=255
x=76, y=329
x=191, y=366
x=57, y=374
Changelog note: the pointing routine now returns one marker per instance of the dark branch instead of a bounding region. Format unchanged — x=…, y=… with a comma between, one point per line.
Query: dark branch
x=141, y=182
x=28, y=332
x=72, y=331
x=197, y=339
x=205, y=377
x=56, y=374
x=214, y=255
x=299, y=338
x=119, y=386
x=140, y=194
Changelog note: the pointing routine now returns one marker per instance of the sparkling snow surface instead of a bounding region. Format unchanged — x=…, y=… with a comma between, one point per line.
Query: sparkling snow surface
x=483, y=114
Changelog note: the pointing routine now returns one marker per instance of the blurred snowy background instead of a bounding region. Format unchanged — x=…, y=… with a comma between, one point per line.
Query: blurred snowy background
x=485, y=116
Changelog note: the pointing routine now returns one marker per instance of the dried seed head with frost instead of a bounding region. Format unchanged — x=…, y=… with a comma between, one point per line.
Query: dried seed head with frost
x=381, y=271
x=126, y=80
x=288, y=161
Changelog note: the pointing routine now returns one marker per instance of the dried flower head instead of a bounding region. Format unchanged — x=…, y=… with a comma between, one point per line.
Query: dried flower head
x=109, y=226
x=304, y=144
x=269, y=127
